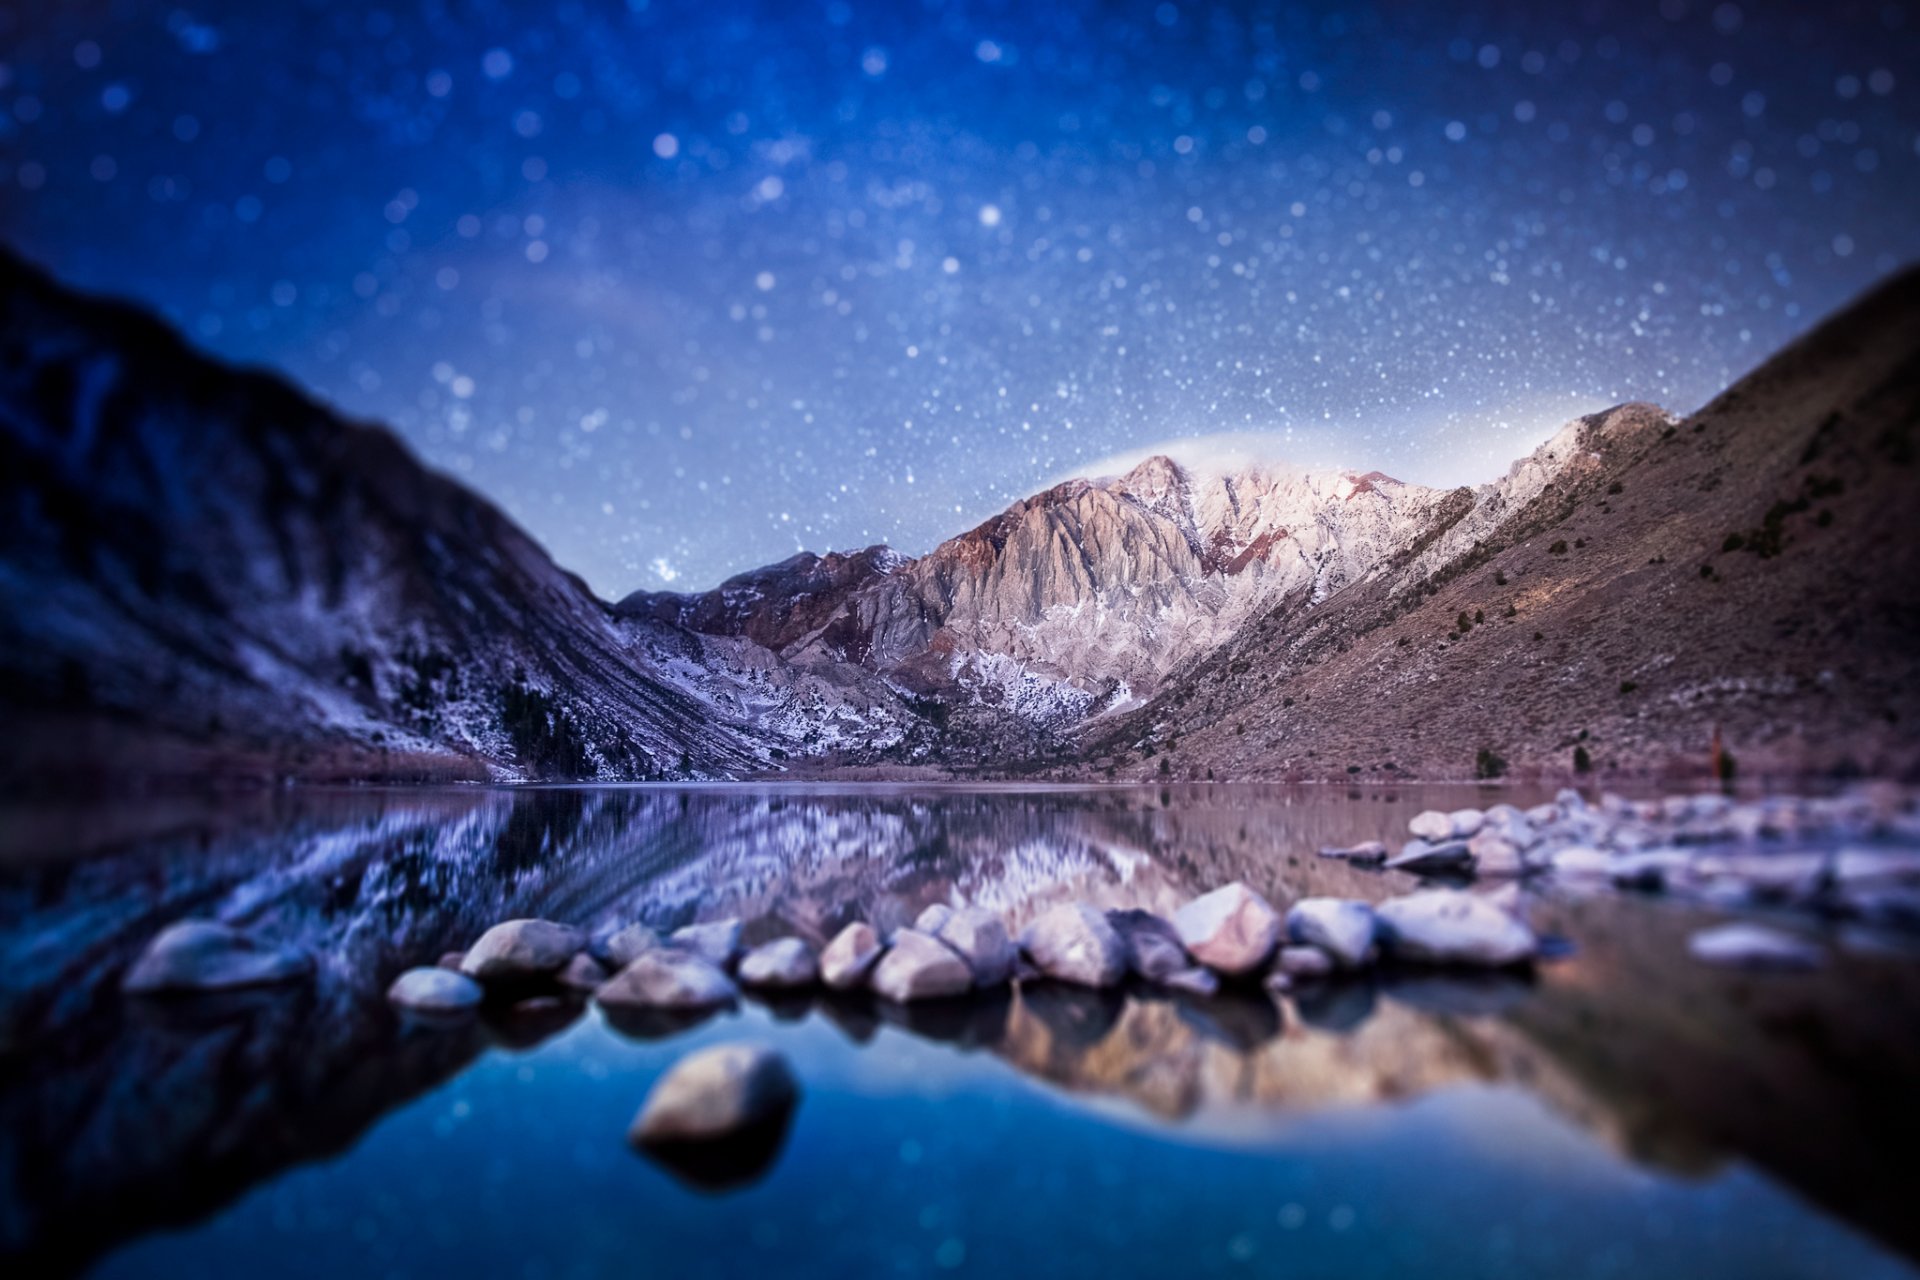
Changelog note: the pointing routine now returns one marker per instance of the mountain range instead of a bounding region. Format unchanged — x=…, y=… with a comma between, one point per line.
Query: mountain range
x=205, y=572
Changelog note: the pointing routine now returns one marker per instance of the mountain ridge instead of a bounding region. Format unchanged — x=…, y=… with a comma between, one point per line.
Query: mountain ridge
x=205, y=566
x=1745, y=576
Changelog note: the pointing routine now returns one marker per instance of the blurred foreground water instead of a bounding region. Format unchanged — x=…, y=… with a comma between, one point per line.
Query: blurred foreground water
x=1622, y=1111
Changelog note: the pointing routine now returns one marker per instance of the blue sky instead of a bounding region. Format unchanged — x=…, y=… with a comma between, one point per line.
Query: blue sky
x=687, y=287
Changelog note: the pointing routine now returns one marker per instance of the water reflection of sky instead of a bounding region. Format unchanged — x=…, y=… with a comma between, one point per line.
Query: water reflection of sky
x=1624, y=1112
x=908, y=1157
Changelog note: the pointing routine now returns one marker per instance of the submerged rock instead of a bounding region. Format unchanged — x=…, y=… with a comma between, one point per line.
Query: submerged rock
x=668, y=979
x=1074, y=943
x=435, y=990
x=783, y=964
x=206, y=955
x=717, y=941
x=516, y=950
x=1342, y=928
x=1232, y=930
x=1752, y=946
x=981, y=939
x=919, y=967
x=1153, y=944
x=1446, y=926
x=718, y=1118
x=850, y=956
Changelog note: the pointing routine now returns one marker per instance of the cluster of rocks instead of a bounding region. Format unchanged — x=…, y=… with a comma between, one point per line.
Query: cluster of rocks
x=1230, y=934
x=1829, y=854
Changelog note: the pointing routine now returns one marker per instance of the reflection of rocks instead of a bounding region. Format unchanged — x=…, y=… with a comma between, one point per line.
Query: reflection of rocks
x=1675, y=1062
x=527, y=1024
x=1076, y=1017
x=1459, y=993
x=1338, y=1006
x=976, y=1020
x=1178, y=1057
x=1235, y=1017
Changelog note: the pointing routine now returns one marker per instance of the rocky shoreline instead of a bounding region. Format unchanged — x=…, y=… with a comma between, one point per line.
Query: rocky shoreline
x=1853, y=857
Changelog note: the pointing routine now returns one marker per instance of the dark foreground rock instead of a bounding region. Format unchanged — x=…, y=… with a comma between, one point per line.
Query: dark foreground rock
x=718, y=1117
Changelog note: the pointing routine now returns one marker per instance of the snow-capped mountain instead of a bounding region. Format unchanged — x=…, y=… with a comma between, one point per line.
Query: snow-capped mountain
x=1083, y=597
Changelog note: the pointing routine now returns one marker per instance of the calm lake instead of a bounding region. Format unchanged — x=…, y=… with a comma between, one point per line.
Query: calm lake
x=1624, y=1112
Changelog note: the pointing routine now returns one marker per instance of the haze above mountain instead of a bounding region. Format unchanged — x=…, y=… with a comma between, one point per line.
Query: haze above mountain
x=202, y=570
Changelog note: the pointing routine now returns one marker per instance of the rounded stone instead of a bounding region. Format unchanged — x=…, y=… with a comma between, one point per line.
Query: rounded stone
x=1232, y=930
x=435, y=990
x=714, y=1094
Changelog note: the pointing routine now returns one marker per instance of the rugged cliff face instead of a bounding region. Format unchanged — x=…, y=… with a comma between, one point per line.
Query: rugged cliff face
x=202, y=571
x=1080, y=599
x=1639, y=586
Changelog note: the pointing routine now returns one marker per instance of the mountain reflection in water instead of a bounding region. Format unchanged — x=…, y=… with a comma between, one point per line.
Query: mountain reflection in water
x=120, y=1117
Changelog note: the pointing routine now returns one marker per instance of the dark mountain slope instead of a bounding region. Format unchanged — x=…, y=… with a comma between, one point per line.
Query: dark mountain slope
x=1754, y=568
x=202, y=569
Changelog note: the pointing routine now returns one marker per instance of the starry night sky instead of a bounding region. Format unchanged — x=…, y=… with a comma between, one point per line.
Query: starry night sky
x=687, y=286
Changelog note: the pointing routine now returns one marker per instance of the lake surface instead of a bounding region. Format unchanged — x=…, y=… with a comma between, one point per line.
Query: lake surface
x=1626, y=1112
